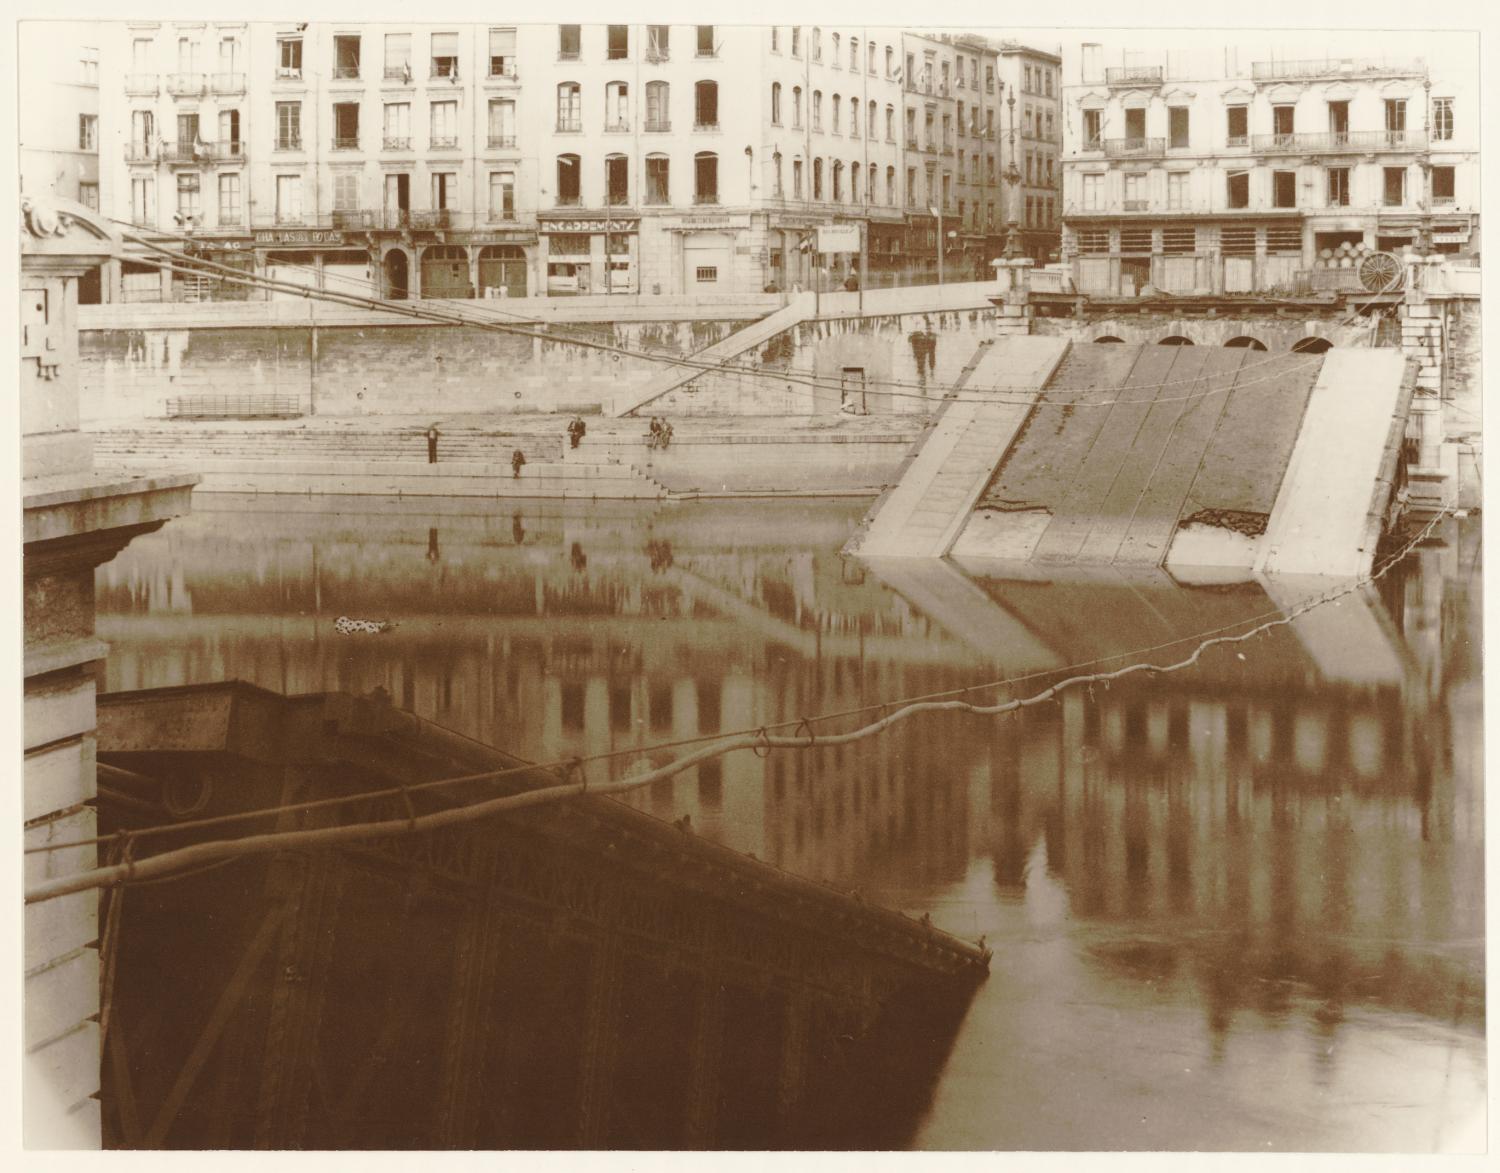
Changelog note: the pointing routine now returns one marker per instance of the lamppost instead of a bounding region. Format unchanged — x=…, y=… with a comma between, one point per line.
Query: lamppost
x=1012, y=178
x=1424, y=242
x=936, y=212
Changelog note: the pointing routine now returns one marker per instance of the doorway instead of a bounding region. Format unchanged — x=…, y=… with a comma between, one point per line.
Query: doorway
x=397, y=281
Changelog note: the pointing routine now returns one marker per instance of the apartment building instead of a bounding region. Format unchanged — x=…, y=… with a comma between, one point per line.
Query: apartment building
x=1231, y=169
x=1032, y=84
x=59, y=121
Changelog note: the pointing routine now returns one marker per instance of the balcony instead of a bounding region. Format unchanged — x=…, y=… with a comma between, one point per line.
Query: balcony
x=1134, y=148
x=502, y=67
x=289, y=73
x=229, y=83
x=569, y=201
x=501, y=142
x=433, y=220
x=704, y=198
x=346, y=142
x=657, y=56
x=228, y=151
x=569, y=126
x=290, y=142
x=444, y=68
x=396, y=143
x=1341, y=140
x=658, y=126
x=1137, y=205
x=346, y=73
x=444, y=142
x=911, y=143
x=180, y=154
x=140, y=152
x=698, y=125
x=1134, y=75
x=618, y=126
x=1236, y=142
x=398, y=73
x=1346, y=67
x=141, y=85
x=186, y=85
x=354, y=218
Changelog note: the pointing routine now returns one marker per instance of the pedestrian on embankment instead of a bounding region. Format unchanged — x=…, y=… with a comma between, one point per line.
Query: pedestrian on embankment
x=432, y=439
x=517, y=461
x=576, y=431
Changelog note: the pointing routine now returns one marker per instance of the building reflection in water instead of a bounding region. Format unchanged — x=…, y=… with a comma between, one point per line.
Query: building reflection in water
x=1267, y=869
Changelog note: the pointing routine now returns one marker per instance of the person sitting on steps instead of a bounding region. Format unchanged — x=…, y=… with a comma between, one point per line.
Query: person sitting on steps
x=576, y=430
x=517, y=459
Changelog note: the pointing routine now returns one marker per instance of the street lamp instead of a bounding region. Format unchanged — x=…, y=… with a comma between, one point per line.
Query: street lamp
x=934, y=210
x=1013, y=178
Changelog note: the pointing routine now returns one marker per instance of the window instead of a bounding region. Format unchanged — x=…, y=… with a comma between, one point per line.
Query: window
x=502, y=123
x=346, y=126
x=1177, y=127
x=229, y=198
x=776, y=103
x=617, y=42
x=706, y=273
x=817, y=179
x=88, y=74
x=911, y=71
x=1283, y=120
x=890, y=124
x=817, y=44
x=658, y=95
x=854, y=182
x=890, y=185
x=1092, y=121
x=1338, y=187
x=706, y=41
x=142, y=132
x=568, y=40
x=1093, y=192
x=775, y=39
x=569, y=106
x=88, y=195
x=398, y=56
x=872, y=121
x=444, y=190
x=1284, y=189
x=616, y=181
x=796, y=179
x=796, y=41
x=568, y=175
x=835, y=114
x=288, y=199
x=1395, y=186
x=835, y=56
x=871, y=58
x=959, y=70
x=706, y=105
x=397, y=126
x=502, y=52
x=989, y=79
x=443, y=125
x=797, y=107
x=658, y=42
x=1026, y=79
x=890, y=61
x=1442, y=120
x=346, y=192
x=1238, y=188
x=140, y=54
x=1238, y=128
x=1049, y=83
x=502, y=195
x=961, y=110
x=346, y=57
x=705, y=174
x=288, y=126
x=188, y=137
x=289, y=54
x=143, y=201
x=776, y=189
x=88, y=132
x=1395, y=114
x=817, y=110
x=444, y=55
x=187, y=55
x=658, y=187
x=838, y=181
x=1442, y=185
x=1135, y=192
x=617, y=106
x=911, y=185
x=187, y=195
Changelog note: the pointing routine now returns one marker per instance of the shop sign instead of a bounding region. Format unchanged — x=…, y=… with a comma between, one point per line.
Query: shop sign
x=1450, y=236
x=276, y=236
x=591, y=224
x=838, y=238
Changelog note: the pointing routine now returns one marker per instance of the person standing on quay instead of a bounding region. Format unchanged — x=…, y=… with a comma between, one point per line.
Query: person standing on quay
x=432, y=439
x=576, y=430
x=517, y=460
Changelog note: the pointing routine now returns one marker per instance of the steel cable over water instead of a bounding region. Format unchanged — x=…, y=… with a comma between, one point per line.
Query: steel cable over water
x=759, y=741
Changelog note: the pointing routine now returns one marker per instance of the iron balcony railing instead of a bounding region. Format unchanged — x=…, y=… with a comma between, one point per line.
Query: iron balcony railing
x=355, y=218
x=569, y=125
x=1134, y=148
x=346, y=142
x=140, y=152
x=1234, y=141
x=400, y=73
x=657, y=56
x=141, y=85
x=658, y=125
x=699, y=124
x=194, y=152
x=396, y=142
x=1335, y=67
x=618, y=126
x=502, y=142
x=346, y=73
x=434, y=219
x=711, y=197
x=1134, y=75
x=182, y=85
x=1342, y=140
x=1137, y=205
x=227, y=151
x=444, y=142
x=569, y=201
x=229, y=83
x=502, y=67
x=289, y=142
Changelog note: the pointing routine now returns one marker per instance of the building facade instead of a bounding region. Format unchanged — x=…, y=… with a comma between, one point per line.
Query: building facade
x=532, y=160
x=1236, y=169
x=1032, y=81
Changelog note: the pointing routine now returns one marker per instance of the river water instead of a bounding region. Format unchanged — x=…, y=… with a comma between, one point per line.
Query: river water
x=1235, y=907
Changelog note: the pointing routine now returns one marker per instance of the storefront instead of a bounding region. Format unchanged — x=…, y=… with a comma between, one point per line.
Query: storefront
x=584, y=255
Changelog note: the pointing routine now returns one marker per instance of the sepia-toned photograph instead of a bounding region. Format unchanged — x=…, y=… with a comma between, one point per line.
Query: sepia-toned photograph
x=834, y=587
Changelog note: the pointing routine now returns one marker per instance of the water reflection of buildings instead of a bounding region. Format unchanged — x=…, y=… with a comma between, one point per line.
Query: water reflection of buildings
x=1313, y=808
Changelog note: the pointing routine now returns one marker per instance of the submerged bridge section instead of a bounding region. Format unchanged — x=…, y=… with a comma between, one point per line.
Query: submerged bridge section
x=1146, y=456
x=577, y=975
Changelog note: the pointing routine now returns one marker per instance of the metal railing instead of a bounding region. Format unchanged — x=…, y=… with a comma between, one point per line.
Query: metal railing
x=346, y=73
x=1134, y=148
x=505, y=69
x=710, y=197
x=246, y=406
x=444, y=67
x=1137, y=205
x=658, y=125
x=183, y=85
x=290, y=142
x=396, y=143
x=400, y=73
x=227, y=151
x=501, y=142
x=657, y=56
x=229, y=83
x=444, y=142
x=1342, y=140
x=618, y=126
x=699, y=124
x=195, y=152
x=572, y=201
x=346, y=142
x=142, y=85
x=569, y=125
x=1233, y=141
x=140, y=152
x=1335, y=67
x=1134, y=75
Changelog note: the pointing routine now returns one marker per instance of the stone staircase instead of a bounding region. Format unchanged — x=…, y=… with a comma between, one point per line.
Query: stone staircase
x=471, y=463
x=798, y=310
